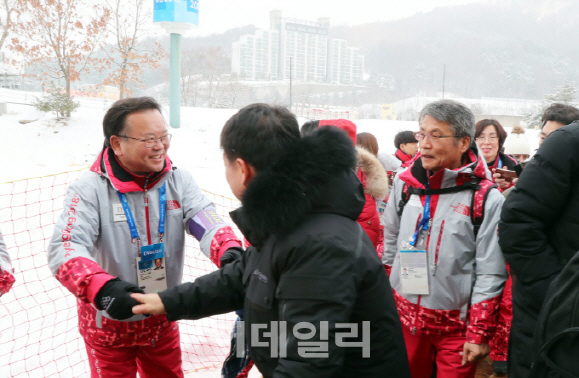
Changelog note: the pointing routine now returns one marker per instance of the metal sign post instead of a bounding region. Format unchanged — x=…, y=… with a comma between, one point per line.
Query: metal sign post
x=176, y=17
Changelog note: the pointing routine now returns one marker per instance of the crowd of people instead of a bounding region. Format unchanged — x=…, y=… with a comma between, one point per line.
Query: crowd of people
x=355, y=262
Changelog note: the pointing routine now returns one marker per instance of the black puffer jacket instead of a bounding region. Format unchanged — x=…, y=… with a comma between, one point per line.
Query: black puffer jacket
x=539, y=233
x=310, y=262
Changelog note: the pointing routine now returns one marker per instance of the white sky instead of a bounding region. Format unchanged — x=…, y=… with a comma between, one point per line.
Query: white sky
x=216, y=16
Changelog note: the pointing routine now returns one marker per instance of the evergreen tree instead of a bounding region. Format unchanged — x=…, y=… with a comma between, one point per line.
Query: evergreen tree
x=565, y=95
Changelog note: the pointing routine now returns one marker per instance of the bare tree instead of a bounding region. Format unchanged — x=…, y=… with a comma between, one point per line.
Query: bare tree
x=8, y=9
x=216, y=65
x=57, y=39
x=192, y=66
x=129, y=54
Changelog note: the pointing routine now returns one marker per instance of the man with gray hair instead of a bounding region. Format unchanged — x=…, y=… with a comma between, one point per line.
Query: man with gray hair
x=441, y=229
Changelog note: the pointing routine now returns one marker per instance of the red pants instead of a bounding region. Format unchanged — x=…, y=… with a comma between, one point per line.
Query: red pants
x=163, y=359
x=499, y=343
x=423, y=349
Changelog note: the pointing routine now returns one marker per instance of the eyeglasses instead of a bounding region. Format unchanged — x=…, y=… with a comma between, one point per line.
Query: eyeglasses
x=491, y=139
x=150, y=142
x=433, y=137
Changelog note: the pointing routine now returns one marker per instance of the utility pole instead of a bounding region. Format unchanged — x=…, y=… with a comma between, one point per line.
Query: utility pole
x=290, y=84
x=175, y=82
x=443, y=78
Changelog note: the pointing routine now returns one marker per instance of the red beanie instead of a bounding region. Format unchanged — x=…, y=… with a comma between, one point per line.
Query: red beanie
x=343, y=124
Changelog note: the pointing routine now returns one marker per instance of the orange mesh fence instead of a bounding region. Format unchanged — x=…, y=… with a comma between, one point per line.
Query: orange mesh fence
x=38, y=317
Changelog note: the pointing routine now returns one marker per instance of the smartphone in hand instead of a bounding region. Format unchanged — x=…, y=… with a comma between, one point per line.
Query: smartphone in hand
x=506, y=174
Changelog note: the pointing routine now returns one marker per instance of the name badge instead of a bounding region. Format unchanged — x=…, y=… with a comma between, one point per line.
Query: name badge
x=152, y=275
x=414, y=271
x=118, y=213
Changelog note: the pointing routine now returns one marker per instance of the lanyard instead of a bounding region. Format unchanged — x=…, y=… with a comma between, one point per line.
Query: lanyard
x=131, y=220
x=425, y=219
x=500, y=165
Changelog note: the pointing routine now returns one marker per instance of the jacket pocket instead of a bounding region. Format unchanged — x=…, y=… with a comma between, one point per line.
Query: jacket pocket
x=304, y=287
x=260, y=290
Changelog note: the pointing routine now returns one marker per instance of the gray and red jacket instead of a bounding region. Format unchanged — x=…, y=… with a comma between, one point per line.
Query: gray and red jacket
x=466, y=274
x=6, y=271
x=89, y=246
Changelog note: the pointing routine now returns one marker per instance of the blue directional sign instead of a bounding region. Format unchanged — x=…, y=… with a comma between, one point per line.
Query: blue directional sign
x=186, y=11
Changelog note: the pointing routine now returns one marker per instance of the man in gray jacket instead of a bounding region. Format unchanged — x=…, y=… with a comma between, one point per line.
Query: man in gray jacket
x=441, y=244
x=131, y=209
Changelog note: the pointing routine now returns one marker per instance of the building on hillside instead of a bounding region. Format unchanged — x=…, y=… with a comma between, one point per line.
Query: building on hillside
x=346, y=63
x=256, y=57
x=99, y=90
x=298, y=46
x=10, y=76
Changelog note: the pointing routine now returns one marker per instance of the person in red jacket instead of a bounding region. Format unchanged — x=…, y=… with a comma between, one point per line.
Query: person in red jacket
x=6, y=271
x=370, y=173
x=375, y=182
x=406, y=146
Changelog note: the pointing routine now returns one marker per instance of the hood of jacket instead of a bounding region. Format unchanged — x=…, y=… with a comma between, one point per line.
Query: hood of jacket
x=376, y=183
x=315, y=175
x=473, y=167
x=122, y=180
x=345, y=125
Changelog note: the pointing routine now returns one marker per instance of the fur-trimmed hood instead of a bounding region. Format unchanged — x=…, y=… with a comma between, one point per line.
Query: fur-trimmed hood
x=376, y=178
x=315, y=175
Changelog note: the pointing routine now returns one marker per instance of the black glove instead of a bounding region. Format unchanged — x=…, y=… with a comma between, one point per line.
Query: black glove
x=115, y=298
x=231, y=255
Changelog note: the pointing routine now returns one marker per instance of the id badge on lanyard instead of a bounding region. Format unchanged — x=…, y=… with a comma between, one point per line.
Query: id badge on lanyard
x=414, y=260
x=151, y=272
x=152, y=275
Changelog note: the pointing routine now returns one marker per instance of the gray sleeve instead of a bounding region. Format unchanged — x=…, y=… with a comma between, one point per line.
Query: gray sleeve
x=77, y=228
x=201, y=218
x=392, y=223
x=5, y=262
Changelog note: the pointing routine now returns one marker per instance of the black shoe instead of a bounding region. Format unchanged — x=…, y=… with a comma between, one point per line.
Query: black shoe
x=500, y=368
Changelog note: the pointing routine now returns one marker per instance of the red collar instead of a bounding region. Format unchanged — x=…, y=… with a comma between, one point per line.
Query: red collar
x=122, y=179
x=402, y=156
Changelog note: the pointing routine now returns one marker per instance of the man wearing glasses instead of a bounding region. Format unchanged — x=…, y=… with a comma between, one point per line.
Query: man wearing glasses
x=132, y=209
x=441, y=243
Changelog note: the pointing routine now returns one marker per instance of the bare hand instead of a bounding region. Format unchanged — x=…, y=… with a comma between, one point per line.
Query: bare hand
x=151, y=304
x=500, y=180
x=474, y=352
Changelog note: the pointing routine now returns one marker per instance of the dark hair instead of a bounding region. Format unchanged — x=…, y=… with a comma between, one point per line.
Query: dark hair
x=309, y=127
x=561, y=113
x=258, y=134
x=369, y=142
x=501, y=133
x=404, y=137
x=114, y=120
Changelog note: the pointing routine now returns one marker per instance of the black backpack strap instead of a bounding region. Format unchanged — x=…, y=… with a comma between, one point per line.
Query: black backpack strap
x=404, y=197
x=454, y=189
x=479, y=198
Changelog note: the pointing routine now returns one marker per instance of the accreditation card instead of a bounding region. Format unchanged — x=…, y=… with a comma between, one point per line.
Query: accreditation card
x=152, y=275
x=414, y=271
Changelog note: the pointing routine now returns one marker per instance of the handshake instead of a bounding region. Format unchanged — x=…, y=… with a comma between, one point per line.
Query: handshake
x=122, y=299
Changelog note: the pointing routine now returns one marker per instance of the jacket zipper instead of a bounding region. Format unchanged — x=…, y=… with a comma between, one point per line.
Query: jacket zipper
x=416, y=315
x=147, y=210
x=438, y=247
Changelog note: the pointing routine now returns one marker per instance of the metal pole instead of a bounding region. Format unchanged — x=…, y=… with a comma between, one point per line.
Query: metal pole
x=290, y=83
x=443, y=78
x=175, y=82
